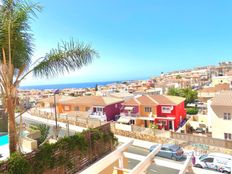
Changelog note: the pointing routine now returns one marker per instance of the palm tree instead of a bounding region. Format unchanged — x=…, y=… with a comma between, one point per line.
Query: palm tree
x=16, y=44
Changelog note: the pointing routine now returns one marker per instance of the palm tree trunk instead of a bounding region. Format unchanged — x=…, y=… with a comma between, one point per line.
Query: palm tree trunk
x=10, y=105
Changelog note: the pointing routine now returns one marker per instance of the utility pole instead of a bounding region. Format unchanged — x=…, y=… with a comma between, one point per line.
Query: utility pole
x=56, y=126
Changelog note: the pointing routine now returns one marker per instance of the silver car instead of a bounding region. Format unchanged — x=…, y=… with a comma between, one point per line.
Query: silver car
x=170, y=151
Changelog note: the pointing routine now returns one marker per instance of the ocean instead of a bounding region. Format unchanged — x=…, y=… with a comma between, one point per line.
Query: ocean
x=72, y=85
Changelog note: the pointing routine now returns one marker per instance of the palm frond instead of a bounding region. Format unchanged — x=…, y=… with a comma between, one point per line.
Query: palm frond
x=18, y=13
x=69, y=56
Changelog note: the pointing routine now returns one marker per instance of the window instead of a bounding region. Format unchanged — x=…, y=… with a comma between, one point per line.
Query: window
x=162, y=122
x=167, y=109
x=163, y=148
x=208, y=160
x=99, y=109
x=227, y=116
x=76, y=108
x=147, y=109
x=202, y=157
x=66, y=108
x=227, y=136
x=87, y=108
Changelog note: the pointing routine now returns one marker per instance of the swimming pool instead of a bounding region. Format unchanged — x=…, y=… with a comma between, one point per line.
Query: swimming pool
x=4, y=139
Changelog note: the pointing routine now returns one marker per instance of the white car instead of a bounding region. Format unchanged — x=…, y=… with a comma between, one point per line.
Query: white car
x=216, y=161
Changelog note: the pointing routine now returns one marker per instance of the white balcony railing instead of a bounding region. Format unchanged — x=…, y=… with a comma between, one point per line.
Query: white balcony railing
x=98, y=115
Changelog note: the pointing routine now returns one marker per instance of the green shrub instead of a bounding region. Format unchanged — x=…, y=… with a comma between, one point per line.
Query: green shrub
x=18, y=164
x=192, y=111
x=44, y=130
x=45, y=158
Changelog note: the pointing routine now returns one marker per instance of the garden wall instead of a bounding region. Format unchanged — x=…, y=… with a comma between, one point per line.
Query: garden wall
x=68, y=155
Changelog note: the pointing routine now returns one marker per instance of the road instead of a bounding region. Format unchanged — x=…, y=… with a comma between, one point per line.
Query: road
x=32, y=120
x=157, y=169
x=153, y=169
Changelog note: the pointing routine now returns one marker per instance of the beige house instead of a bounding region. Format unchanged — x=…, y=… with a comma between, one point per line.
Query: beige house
x=220, y=115
x=221, y=79
x=208, y=93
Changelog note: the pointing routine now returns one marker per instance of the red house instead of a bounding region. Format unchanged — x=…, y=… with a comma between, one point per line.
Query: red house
x=170, y=112
x=165, y=111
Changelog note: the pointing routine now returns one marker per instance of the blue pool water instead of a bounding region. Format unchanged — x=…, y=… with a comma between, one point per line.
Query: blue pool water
x=4, y=139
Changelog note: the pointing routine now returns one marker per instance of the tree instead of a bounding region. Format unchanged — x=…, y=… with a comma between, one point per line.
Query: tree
x=44, y=130
x=96, y=87
x=189, y=94
x=178, y=77
x=174, y=91
x=16, y=45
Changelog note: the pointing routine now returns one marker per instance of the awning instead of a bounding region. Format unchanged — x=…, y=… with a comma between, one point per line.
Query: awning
x=146, y=118
x=165, y=118
x=124, y=120
x=128, y=108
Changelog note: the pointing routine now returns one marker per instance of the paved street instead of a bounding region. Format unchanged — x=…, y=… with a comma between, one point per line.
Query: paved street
x=28, y=119
x=153, y=169
x=156, y=169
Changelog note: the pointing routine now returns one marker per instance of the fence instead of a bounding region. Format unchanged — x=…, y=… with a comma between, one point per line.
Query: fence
x=138, y=133
x=74, y=120
x=186, y=140
x=95, y=150
x=142, y=130
x=202, y=140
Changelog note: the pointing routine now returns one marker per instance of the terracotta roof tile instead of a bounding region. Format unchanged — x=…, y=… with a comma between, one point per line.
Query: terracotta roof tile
x=59, y=98
x=223, y=99
x=155, y=100
x=216, y=88
x=93, y=101
x=144, y=100
x=161, y=99
x=132, y=102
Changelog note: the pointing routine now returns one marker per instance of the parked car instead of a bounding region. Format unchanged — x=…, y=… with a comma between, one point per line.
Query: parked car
x=216, y=161
x=200, y=130
x=170, y=151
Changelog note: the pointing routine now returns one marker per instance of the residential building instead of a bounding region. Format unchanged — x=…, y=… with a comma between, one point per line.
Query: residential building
x=103, y=108
x=123, y=95
x=208, y=93
x=220, y=114
x=165, y=111
x=49, y=101
x=221, y=79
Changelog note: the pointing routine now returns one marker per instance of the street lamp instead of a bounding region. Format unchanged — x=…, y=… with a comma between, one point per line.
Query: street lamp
x=56, y=128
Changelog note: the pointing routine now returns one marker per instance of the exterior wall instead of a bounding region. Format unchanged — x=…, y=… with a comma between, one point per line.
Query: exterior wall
x=219, y=125
x=142, y=110
x=210, y=114
x=112, y=110
x=135, y=110
x=177, y=112
x=71, y=107
x=221, y=79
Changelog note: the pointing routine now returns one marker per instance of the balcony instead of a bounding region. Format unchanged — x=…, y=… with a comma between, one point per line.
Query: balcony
x=129, y=114
x=98, y=115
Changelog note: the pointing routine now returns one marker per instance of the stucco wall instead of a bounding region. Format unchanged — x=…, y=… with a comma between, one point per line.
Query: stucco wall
x=176, y=112
x=71, y=107
x=142, y=110
x=112, y=110
x=219, y=125
x=135, y=110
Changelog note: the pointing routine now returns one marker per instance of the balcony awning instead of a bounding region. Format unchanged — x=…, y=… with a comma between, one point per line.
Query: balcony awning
x=146, y=118
x=165, y=118
x=124, y=120
x=129, y=108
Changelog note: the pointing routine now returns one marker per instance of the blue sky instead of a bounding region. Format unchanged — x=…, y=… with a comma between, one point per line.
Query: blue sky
x=136, y=39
